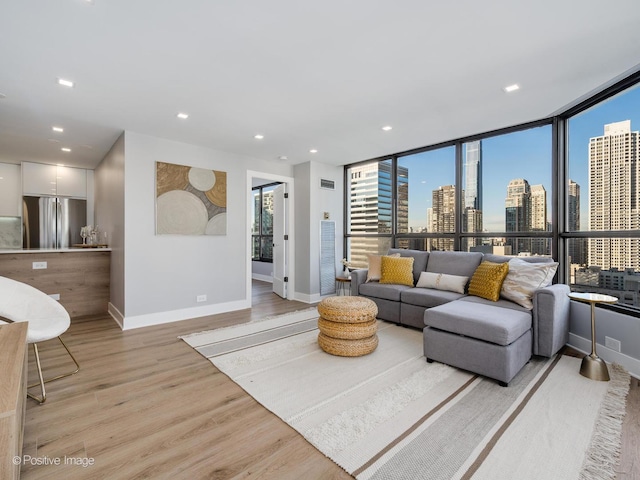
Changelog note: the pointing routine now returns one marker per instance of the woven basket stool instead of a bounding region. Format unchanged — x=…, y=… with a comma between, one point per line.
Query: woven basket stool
x=347, y=326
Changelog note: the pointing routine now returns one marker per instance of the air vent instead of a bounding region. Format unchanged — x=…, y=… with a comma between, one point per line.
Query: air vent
x=327, y=184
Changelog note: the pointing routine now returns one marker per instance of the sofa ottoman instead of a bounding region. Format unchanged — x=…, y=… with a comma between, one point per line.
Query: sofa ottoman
x=487, y=339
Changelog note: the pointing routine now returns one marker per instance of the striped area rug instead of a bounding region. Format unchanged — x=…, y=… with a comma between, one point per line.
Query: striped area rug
x=391, y=415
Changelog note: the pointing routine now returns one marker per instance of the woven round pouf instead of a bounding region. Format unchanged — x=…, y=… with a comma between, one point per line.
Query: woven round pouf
x=347, y=326
x=347, y=348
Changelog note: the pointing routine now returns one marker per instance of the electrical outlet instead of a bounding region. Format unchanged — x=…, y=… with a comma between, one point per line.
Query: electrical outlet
x=612, y=343
x=201, y=298
x=55, y=296
x=39, y=265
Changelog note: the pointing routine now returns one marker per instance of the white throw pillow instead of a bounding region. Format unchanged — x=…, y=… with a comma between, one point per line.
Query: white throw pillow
x=524, y=278
x=442, y=281
x=375, y=266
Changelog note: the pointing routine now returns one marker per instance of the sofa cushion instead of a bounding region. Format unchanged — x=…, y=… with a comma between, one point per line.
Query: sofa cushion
x=490, y=323
x=375, y=262
x=427, y=297
x=486, y=281
x=454, y=263
x=524, y=278
x=381, y=290
x=442, y=281
x=500, y=303
x=420, y=259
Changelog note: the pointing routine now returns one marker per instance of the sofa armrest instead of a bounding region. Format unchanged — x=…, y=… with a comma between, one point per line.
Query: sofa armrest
x=550, y=319
x=358, y=277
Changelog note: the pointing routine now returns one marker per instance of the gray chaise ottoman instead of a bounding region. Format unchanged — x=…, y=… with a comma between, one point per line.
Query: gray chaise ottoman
x=491, y=340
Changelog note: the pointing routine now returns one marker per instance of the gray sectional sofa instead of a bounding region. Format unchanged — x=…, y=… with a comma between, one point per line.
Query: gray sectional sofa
x=493, y=339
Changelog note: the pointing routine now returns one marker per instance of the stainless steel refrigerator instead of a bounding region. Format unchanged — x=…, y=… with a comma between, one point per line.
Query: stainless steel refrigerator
x=52, y=222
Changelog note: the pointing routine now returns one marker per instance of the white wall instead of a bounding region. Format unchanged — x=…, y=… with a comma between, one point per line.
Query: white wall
x=165, y=273
x=109, y=184
x=624, y=328
x=310, y=208
x=262, y=271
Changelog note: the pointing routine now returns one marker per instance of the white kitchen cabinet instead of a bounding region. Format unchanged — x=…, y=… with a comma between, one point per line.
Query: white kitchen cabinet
x=10, y=198
x=72, y=182
x=40, y=179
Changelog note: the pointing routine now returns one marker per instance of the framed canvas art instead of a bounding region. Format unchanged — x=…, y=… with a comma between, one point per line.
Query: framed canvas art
x=190, y=200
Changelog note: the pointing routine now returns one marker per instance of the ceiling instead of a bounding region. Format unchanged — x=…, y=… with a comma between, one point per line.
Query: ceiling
x=325, y=75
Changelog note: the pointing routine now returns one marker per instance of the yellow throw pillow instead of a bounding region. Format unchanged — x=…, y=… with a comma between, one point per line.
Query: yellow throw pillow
x=374, y=273
x=487, y=280
x=397, y=270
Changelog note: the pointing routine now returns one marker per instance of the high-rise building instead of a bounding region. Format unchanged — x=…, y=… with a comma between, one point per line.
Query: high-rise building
x=443, y=216
x=526, y=211
x=517, y=214
x=473, y=175
x=614, y=196
x=472, y=213
x=370, y=208
x=577, y=247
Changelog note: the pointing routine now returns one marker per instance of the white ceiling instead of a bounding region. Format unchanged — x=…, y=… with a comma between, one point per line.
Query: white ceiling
x=326, y=74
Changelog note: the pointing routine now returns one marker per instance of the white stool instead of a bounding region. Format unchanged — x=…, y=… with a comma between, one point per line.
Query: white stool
x=47, y=320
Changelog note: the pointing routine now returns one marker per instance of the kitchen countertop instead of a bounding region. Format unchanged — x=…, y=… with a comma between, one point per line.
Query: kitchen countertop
x=56, y=250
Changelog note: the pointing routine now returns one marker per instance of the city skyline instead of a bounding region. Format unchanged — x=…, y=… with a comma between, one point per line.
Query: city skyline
x=524, y=154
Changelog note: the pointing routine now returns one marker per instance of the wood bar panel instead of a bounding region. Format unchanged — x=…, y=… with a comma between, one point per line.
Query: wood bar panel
x=80, y=278
x=13, y=378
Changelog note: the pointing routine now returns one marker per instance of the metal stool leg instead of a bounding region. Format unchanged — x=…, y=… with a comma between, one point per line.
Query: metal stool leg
x=42, y=381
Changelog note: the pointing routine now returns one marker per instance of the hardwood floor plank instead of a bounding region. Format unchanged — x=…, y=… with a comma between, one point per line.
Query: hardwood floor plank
x=145, y=405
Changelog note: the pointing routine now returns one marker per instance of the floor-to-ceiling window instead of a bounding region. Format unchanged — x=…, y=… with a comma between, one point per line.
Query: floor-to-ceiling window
x=508, y=193
x=426, y=207
x=506, y=181
x=602, y=198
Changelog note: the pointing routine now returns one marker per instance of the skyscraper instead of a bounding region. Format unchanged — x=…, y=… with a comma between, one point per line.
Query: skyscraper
x=614, y=189
x=370, y=212
x=577, y=246
x=443, y=216
x=473, y=175
x=526, y=211
x=472, y=213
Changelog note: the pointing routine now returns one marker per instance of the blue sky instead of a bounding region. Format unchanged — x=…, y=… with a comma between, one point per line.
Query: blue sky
x=525, y=154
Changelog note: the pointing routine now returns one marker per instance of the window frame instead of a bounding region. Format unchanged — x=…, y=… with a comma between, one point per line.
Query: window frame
x=559, y=234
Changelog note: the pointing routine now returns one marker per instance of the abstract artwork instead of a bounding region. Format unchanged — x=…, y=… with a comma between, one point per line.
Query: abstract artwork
x=190, y=201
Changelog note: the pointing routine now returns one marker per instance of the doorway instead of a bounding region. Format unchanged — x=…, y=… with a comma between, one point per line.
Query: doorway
x=271, y=245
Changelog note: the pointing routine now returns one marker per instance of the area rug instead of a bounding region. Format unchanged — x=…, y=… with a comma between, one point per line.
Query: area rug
x=392, y=415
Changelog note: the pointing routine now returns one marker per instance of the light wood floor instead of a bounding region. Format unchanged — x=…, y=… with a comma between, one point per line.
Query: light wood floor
x=145, y=405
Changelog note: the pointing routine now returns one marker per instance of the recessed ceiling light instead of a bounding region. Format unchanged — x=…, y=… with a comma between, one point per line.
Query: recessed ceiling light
x=258, y=136
x=65, y=83
x=512, y=88
x=183, y=116
x=282, y=157
x=65, y=149
x=313, y=150
x=386, y=128
x=53, y=140
x=57, y=129
x=2, y=95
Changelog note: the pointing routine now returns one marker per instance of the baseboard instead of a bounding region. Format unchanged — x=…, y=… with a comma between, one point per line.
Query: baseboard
x=146, y=320
x=610, y=356
x=262, y=278
x=115, y=314
x=306, y=298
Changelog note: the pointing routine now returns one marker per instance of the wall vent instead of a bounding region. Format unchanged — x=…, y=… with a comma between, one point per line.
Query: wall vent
x=327, y=184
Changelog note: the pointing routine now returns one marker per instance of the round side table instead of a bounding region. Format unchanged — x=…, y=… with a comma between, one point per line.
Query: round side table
x=343, y=285
x=593, y=366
